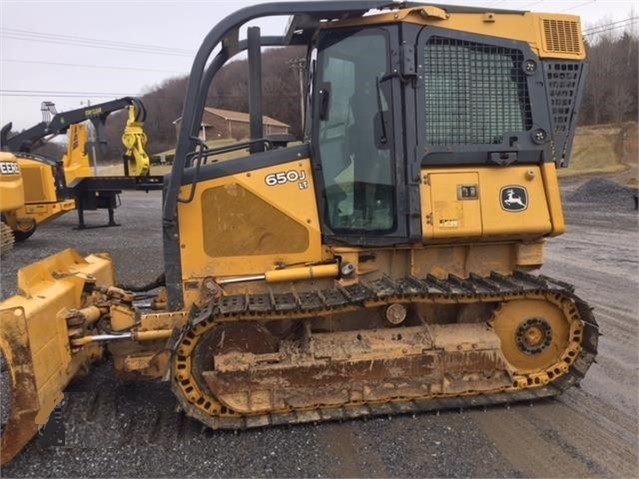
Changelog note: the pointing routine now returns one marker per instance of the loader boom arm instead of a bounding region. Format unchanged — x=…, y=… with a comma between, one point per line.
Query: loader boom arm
x=60, y=123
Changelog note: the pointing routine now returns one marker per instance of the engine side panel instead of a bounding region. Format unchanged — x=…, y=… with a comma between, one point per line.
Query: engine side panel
x=11, y=184
x=490, y=203
x=250, y=222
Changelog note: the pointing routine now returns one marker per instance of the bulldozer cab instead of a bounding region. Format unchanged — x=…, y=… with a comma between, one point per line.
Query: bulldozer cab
x=397, y=102
x=420, y=120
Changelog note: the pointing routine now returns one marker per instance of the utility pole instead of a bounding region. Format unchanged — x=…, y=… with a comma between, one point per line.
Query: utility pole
x=299, y=64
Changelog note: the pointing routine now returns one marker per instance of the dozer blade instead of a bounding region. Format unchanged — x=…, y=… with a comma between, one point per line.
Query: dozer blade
x=38, y=362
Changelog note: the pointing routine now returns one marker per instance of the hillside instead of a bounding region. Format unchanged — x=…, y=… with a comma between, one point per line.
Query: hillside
x=608, y=149
x=611, y=97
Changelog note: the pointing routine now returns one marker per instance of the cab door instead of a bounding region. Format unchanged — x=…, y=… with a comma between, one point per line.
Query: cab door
x=359, y=153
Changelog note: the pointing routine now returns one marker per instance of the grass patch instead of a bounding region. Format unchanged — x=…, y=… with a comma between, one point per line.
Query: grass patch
x=633, y=182
x=595, y=152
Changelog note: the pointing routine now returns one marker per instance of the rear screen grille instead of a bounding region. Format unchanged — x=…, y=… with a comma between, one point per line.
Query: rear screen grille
x=563, y=78
x=474, y=92
x=562, y=36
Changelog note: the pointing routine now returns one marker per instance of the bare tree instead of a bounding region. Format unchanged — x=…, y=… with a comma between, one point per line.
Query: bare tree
x=611, y=94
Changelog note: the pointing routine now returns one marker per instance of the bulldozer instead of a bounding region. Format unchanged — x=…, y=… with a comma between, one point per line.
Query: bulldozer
x=387, y=264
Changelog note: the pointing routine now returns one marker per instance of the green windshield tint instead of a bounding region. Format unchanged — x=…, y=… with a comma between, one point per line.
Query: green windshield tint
x=354, y=145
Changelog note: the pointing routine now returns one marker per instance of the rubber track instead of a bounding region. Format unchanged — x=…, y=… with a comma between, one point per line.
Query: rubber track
x=495, y=287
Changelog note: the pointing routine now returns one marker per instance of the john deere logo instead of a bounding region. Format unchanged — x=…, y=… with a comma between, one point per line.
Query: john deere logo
x=514, y=198
x=9, y=168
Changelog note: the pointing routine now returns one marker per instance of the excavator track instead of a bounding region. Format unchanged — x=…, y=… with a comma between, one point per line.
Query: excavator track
x=255, y=383
x=6, y=239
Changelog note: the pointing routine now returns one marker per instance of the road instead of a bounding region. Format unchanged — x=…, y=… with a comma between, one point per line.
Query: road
x=119, y=429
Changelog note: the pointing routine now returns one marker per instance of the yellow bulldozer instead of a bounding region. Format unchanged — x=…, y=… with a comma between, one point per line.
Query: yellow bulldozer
x=382, y=266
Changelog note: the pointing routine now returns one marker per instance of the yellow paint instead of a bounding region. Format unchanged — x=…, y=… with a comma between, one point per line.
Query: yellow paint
x=138, y=362
x=134, y=140
x=11, y=185
x=245, y=238
x=448, y=215
x=39, y=182
x=440, y=260
x=297, y=274
x=42, y=213
x=551, y=185
x=445, y=214
x=122, y=317
x=76, y=162
x=41, y=201
x=530, y=255
x=35, y=339
x=152, y=335
x=548, y=35
x=32, y=195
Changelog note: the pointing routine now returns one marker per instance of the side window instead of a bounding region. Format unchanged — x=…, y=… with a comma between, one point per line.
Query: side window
x=474, y=92
x=358, y=173
x=333, y=129
x=342, y=87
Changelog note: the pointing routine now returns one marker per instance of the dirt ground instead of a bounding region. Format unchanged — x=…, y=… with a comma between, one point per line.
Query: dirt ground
x=131, y=430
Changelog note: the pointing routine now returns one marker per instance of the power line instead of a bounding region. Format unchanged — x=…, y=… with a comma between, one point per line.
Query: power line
x=60, y=94
x=531, y=4
x=110, y=42
x=627, y=20
x=605, y=30
x=105, y=47
x=577, y=6
x=71, y=95
x=56, y=91
x=151, y=96
x=83, y=40
x=84, y=65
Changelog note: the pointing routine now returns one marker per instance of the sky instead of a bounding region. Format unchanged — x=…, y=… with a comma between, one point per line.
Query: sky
x=78, y=51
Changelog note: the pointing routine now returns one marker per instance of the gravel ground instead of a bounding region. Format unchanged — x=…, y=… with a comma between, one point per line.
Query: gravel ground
x=604, y=192
x=117, y=429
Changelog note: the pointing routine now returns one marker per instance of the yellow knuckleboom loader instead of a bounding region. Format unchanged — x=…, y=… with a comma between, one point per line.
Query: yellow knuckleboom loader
x=382, y=266
x=52, y=187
